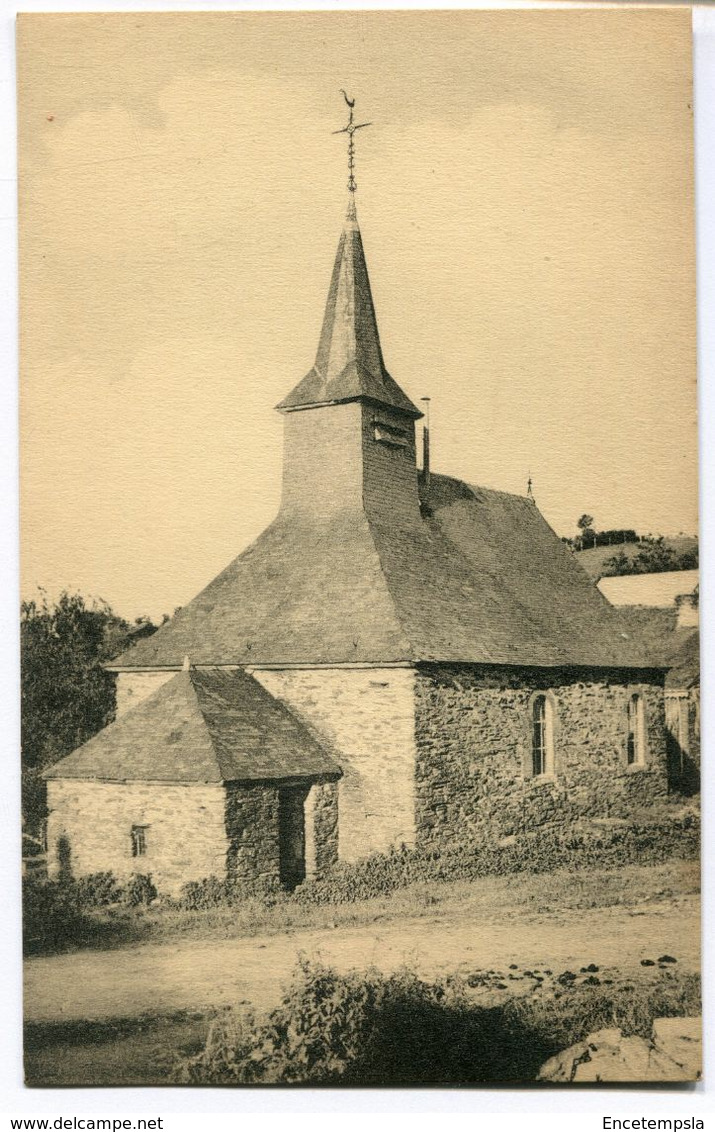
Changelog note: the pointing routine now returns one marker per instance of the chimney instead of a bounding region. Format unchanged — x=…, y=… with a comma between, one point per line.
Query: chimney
x=425, y=476
x=425, y=458
x=425, y=445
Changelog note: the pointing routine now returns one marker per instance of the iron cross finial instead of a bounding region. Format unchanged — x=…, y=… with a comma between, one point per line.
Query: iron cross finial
x=350, y=131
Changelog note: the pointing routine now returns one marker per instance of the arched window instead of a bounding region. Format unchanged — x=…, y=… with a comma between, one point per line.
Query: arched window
x=635, y=747
x=542, y=736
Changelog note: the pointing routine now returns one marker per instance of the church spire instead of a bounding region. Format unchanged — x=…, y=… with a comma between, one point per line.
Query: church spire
x=349, y=365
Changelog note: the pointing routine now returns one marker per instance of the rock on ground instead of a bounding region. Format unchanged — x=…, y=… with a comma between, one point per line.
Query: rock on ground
x=674, y=1053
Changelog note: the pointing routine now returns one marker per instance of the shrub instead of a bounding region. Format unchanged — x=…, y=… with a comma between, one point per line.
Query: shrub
x=631, y=1007
x=198, y=895
x=216, y=892
x=649, y=842
x=96, y=890
x=371, y=1029
x=654, y=556
x=328, y=1028
x=52, y=917
x=139, y=889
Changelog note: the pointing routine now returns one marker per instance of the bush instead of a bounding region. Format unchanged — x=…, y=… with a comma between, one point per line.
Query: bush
x=654, y=556
x=329, y=1028
x=631, y=1007
x=139, y=889
x=636, y=842
x=217, y=892
x=365, y=1028
x=52, y=916
x=96, y=890
x=199, y=895
x=651, y=842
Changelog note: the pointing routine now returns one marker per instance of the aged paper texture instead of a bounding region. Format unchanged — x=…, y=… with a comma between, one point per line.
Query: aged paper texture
x=361, y=739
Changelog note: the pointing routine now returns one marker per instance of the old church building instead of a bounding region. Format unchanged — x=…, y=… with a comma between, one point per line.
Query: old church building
x=400, y=658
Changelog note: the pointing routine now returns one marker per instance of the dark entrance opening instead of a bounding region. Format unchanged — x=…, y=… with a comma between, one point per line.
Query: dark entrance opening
x=291, y=834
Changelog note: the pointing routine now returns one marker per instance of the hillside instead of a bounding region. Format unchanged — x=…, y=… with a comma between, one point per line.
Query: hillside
x=594, y=558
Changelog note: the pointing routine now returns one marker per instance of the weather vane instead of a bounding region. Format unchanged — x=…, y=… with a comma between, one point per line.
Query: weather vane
x=350, y=131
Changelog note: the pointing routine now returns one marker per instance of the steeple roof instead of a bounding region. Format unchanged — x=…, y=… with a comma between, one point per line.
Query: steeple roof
x=349, y=365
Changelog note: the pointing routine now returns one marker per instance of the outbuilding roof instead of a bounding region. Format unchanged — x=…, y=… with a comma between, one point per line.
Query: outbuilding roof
x=212, y=725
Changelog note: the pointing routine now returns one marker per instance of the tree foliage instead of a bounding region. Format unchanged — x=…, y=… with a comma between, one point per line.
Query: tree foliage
x=588, y=534
x=654, y=556
x=66, y=694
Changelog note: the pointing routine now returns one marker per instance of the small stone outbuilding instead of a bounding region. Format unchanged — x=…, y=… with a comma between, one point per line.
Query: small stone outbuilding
x=208, y=776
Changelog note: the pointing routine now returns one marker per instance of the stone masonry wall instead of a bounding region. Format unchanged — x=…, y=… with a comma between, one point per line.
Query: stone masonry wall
x=474, y=750
x=133, y=687
x=252, y=829
x=322, y=827
x=365, y=720
x=185, y=836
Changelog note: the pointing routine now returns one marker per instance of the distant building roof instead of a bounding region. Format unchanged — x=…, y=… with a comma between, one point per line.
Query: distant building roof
x=349, y=365
x=658, y=590
x=202, y=726
x=482, y=578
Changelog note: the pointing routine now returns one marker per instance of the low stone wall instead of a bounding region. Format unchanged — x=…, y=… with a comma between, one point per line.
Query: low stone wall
x=185, y=830
x=474, y=748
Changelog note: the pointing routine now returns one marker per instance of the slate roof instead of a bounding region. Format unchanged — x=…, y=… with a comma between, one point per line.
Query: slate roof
x=349, y=365
x=475, y=576
x=209, y=725
x=685, y=670
x=482, y=579
x=657, y=630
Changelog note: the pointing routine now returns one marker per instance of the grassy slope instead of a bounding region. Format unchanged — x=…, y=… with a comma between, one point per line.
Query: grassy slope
x=488, y=896
x=594, y=558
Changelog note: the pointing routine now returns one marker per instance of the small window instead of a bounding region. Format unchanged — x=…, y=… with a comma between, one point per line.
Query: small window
x=138, y=841
x=542, y=736
x=635, y=748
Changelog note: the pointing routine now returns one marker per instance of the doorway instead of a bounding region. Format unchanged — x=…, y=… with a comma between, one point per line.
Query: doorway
x=291, y=834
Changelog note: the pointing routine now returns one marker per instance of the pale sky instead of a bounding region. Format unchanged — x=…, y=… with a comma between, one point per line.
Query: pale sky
x=525, y=199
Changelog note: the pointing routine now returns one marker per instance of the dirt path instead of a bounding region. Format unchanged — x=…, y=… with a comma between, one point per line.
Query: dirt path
x=195, y=975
